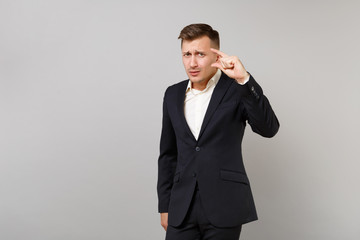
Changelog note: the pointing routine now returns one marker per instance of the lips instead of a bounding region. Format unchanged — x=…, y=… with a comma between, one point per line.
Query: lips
x=194, y=73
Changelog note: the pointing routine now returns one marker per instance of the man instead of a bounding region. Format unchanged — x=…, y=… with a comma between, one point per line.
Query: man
x=203, y=189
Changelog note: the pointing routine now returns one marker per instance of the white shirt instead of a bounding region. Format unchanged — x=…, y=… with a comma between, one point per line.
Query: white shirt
x=197, y=102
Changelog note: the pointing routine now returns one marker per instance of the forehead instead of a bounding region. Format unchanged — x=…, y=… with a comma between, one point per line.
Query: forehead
x=202, y=43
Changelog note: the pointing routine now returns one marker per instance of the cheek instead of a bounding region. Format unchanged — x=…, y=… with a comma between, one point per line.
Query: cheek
x=202, y=62
x=207, y=63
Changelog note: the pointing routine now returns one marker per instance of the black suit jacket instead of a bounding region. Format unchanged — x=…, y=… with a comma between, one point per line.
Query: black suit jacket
x=214, y=161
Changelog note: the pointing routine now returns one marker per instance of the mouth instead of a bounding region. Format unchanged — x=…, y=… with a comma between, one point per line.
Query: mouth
x=194, y=73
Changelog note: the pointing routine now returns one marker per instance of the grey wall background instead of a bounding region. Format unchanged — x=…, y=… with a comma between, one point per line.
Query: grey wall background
x=81, y=87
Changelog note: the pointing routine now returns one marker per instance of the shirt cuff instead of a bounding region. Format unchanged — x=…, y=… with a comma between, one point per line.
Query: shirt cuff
x=245, y=81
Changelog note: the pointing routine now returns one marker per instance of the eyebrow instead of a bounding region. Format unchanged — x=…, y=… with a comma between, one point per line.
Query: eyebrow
x=196, y=51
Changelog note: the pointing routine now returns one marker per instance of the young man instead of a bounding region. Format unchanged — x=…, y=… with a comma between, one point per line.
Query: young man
x=203, y=189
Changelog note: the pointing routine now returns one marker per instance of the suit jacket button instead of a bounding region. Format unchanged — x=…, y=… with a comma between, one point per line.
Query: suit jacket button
x=194, y=174
x=197, y=149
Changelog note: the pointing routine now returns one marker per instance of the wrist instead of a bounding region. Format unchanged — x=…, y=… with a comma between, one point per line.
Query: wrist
x=243, y=79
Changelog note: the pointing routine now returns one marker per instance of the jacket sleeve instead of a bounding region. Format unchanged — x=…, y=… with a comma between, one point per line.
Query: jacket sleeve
x=257, y=110
x=167, y=160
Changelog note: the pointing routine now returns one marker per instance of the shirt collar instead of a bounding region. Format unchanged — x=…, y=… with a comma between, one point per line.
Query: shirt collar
x=214, y=80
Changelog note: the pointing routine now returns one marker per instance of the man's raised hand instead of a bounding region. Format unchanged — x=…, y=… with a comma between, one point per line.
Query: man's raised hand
x=231, y=66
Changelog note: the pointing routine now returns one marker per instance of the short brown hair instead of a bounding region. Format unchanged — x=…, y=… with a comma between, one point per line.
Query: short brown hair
x=195, y=31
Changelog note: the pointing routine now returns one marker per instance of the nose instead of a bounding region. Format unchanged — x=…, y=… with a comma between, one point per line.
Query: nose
x=193, y=62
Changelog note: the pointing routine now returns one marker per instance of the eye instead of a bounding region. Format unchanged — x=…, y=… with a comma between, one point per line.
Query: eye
x=201, y=54
x=187, y=54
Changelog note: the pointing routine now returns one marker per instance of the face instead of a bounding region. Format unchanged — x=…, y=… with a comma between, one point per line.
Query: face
x=197, y=58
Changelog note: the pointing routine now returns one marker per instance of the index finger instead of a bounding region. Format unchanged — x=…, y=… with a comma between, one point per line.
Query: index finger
x=218, y=52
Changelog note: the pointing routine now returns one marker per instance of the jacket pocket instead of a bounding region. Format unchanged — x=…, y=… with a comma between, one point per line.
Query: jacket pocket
x=234, y=176
x=176, y=178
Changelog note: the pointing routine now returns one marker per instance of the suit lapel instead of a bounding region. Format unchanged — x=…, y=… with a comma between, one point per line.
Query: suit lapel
x=219, y=91
x=180, y=106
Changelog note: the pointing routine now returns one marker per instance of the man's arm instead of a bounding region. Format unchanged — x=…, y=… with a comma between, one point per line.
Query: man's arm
x=166, y=164
x=258, y=111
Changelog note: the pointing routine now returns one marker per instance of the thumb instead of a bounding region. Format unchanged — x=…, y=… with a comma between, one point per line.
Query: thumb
x=217, y=65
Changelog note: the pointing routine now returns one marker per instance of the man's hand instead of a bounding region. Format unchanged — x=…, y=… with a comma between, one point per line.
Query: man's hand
x=164, y=220
x=231, y=66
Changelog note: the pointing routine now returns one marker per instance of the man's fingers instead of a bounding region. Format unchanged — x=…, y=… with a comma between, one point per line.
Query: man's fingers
x=218, y=52
x=224, y=63
x=227, y=63
x=218, y=65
